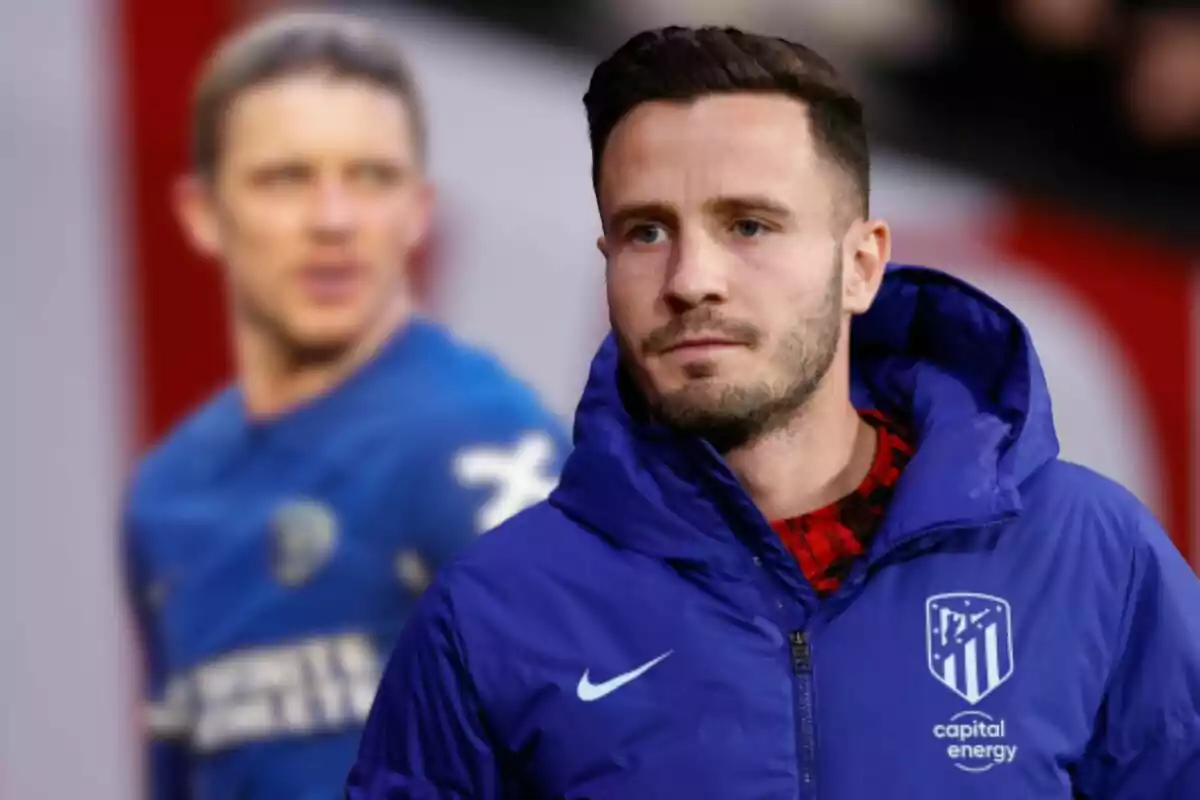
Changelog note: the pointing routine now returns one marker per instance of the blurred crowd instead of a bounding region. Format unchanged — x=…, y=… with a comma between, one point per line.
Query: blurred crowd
x=1095, y=102
x=1142, y=56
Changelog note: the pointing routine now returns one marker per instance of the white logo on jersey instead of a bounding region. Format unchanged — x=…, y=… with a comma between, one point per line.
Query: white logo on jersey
x=520, y=476
x=304, y=688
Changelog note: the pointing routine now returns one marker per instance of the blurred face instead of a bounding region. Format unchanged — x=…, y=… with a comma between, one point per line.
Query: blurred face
x=732, y=263
x=316, y=203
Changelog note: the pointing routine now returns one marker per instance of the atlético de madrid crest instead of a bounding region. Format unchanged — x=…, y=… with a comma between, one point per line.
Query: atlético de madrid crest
x=969, y=642
x=303, y=533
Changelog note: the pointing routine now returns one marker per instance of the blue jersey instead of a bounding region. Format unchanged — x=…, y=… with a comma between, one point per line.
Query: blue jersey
x=1019, y=628
x=272, y=565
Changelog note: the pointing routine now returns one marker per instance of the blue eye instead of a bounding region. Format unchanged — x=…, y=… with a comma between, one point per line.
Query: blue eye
x=647, y=234
x=749, y=228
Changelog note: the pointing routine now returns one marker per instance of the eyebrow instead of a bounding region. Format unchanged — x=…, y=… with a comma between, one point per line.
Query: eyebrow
x=726, y=206
x=274, y=165
x=277, y=163
x=641, y=211
x=748, y=204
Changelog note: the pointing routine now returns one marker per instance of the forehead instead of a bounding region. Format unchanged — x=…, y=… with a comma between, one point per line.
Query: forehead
x=315, y=115
x=743, y=144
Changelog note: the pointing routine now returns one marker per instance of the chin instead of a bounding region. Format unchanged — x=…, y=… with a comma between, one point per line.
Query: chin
x=701, y=376
x=703, y=394
x=322, y=333
x=681, y=393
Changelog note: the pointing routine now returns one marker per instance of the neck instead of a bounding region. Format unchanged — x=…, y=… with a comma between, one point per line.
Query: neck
x=821, y=455
x=274, y=379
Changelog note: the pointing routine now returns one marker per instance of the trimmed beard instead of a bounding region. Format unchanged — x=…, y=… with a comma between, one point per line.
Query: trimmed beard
x=730, y=417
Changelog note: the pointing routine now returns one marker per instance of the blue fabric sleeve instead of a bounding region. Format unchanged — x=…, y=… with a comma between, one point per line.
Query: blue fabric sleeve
x=425, y=738
x=1147, y=739
x=166, y=753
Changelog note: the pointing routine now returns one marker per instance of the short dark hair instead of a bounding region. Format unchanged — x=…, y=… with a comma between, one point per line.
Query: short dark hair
x=341, y=45
x=684, y=64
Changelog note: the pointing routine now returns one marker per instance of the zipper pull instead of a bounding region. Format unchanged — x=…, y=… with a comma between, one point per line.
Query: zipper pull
x=801, y=653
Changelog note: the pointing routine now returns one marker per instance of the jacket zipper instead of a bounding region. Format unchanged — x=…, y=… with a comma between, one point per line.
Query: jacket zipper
x=806, y=734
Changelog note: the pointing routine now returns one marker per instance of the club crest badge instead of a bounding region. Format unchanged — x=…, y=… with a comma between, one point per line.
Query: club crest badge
x=969, y=642
x=303, y=536
x=413, y=571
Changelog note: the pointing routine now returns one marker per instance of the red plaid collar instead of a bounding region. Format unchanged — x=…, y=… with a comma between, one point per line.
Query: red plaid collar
x=827, y=541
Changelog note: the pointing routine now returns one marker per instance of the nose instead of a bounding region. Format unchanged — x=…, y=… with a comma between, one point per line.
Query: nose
x=333, y=211
x=698, y=274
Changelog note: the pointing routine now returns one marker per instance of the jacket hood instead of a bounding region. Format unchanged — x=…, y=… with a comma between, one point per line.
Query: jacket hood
x=934, y=351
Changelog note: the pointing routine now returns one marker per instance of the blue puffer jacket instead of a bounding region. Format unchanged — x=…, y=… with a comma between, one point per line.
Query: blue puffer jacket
x=1021, y=628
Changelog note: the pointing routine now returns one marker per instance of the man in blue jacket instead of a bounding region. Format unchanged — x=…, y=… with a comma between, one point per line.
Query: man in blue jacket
x=792, y=554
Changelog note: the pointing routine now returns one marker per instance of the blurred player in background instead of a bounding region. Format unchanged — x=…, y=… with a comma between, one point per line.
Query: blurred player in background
x=276, y=540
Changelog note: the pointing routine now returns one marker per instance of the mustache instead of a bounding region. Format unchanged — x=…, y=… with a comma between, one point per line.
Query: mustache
x=699, y=323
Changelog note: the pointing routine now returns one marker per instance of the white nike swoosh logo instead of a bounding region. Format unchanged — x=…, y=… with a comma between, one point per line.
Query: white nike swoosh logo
x=589, y=691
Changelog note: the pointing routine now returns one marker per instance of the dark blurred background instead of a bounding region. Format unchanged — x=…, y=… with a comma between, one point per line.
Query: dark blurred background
x=1092, y=102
